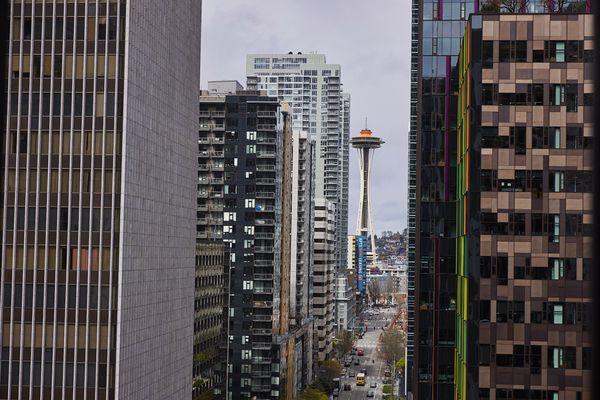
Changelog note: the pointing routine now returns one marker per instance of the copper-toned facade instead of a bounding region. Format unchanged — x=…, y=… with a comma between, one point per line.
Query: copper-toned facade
x=524, y=208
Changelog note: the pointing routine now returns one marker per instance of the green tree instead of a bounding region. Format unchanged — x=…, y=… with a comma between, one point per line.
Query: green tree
x=344, y=343
x=400, y=364
x=392, y=345
x=330, y=369
x=313, y=394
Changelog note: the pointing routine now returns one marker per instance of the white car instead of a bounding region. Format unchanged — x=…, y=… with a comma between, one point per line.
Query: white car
x=373, y=385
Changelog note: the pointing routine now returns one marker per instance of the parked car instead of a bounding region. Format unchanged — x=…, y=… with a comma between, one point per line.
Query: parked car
x=371, y=393
x=363, y=370
x=336, y=392
x=356, y=362
x=351, y=374
x=347, y=386
x=373, y=385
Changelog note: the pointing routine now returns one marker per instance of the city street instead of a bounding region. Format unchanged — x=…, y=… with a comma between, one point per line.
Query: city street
x=375, y=370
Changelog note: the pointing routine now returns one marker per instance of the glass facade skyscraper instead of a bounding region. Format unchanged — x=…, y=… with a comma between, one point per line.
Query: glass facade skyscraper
x=437, y=30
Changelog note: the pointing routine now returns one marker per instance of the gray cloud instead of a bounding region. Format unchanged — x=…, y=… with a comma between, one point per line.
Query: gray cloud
x=370, y=39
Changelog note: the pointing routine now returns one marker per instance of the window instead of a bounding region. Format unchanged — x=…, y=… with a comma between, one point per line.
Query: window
x=518, y=137
x=555, y=357
x=247, y=285
x=246, y=354
x=249, y=203
x=489, y=94
x=557, y=181
x=571, y=97
x=250, y=149
x=557, y=94
x=557, y=268
x=249, y=230
x=554, y=223
x=487, y=54
x=574, y=137
x=537, y=94
x=559, y=52
x=557, y=314
x=251, y=135
x=229, y=216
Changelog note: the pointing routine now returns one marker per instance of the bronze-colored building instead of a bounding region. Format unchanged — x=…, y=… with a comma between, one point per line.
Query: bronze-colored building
x=524, y=208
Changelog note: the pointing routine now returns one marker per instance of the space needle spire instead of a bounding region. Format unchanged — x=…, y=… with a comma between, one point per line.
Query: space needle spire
x=366, y=144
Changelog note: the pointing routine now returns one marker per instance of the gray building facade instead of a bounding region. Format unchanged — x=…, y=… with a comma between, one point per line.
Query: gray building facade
x=99, y=172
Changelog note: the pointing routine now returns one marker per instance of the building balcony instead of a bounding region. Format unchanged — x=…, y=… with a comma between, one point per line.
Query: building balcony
x=266, y=154
x=264, y=181
x=262, y=290
x=266, y=140
x=261, y=388
x=265, y=114
x=218, y=114
x=265, y=127
x=265, y=195
x=263, y=277
x=264, y=222
x=265, y=168
x=261, y=318
x=264, y=263
x=263, y=249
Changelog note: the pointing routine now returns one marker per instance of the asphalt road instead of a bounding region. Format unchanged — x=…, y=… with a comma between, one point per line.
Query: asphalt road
x=375, y=370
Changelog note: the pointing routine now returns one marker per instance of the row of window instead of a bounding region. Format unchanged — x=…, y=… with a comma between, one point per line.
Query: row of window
x=538, y=94
x=541, y=312
x=523, y=224
x=84, y=181
x=531, y=356
x=537, y=181
x=517, y=51
x=69, y=27
x=68, y=258
x=64, y=295
x=70, y=371
x=542, y=137
x=87, y=143
x=94, y=219
x=68, y=104
x=37, y=66
x=556, y=269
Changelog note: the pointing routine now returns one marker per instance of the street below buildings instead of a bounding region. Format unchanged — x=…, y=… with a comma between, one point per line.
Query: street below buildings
x=372, y=360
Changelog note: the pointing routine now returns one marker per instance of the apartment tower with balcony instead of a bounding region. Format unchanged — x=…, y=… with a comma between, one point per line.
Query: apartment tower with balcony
x=99, y=120
x=313, y=89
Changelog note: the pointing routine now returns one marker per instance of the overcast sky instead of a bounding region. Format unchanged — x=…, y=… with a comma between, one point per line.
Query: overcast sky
x=370, y=39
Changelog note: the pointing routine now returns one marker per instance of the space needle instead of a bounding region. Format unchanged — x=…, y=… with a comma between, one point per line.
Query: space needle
x=366, y=144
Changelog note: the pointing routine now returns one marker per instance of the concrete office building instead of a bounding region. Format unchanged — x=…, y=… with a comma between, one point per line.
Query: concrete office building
x=524, y=209
x=99, y=172
x=323, y=279
x=319, y=107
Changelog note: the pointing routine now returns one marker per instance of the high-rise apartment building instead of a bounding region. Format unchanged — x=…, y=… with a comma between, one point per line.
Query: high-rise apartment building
x=301, y=319
x=313, y=89
x=210, y=311
x=323, y=279
x=99, y=170
x=524, y=207
x=256, y=191
x=212, y=254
